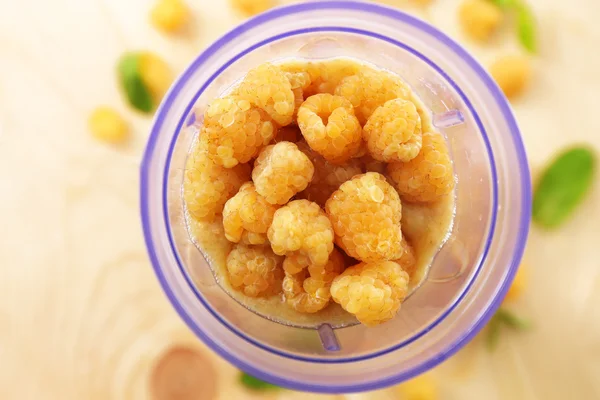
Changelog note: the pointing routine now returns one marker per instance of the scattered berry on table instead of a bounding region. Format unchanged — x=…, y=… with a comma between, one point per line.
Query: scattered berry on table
x=156, y=75
x=302, y=228
x=479, y=19
x=255, y=270
x=365, y=213
x=252, y=7
x=107, y=125
x=518, y=284
x=429, y=176
x=247, y=216
x=373, y=292
x=393, y=132
x=422, y=387
x=235, y=131
x=281, y=171
x=330, y=128
x=169, y=15
x=207, y=186
x=267, y=87
x=512, y=73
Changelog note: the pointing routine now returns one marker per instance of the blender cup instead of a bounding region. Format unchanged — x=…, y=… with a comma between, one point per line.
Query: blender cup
x=469, y=276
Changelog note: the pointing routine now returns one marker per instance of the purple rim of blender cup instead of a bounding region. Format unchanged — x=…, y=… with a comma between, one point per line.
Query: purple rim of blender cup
x=391, y=13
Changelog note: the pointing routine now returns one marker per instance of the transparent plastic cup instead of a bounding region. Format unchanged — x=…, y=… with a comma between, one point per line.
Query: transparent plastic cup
x=468, y=278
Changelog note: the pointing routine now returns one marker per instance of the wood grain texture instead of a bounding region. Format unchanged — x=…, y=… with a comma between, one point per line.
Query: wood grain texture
x=81, y=313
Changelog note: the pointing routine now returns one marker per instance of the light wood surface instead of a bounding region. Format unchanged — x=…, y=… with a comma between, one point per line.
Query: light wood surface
x=81, y=313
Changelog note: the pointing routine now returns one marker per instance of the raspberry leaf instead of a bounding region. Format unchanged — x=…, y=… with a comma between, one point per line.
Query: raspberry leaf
x=563, y=186
x=526, y=28
x=505, y=3
x=254, y=383
x=130, y=78
x=511, y=320
x=503, y=318
x=493, y=334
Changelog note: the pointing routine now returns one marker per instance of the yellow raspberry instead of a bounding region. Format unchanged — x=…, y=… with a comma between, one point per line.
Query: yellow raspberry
x=267, y=87
x=373, y=292
x=169, y=15
x=327, y=75
x=255, y=270
x=327, y=177
x=308, y=291
x=332, y=269
x=330, y=128
x=479, y=19
x=518, y=284
x=281, y=171
x=408, y=260
x=290, y=133
x=207, y=186
x=305, y=297
x=365, y=213
x=301, y=73
x=106, y=124
x=295, y=262
x=429, y=176
x=234, y=131
x=252, y=238
x=299, y=81
x=512, y=74
x=209, y=236
x=156, y=75
x=393, y=132
x=302, y=228
x=298, y=100
x=423, y=387
x=369, y=89
x=252, y=7
x=247, y=216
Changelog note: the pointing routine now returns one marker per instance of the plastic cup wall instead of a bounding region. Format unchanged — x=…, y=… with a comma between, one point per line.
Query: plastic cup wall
x=468, y=277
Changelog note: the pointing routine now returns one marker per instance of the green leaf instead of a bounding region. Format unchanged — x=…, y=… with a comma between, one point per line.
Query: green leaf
x=493, y=334
x=505, y=317
x=563, y=186
x=255, y=384
x=505, y=3
x=526, y=28
x=138, y=95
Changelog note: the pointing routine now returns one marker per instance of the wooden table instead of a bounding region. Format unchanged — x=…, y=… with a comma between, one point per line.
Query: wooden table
x=82, y=315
